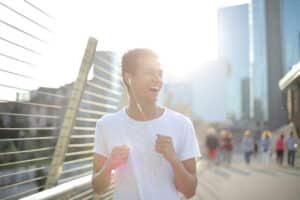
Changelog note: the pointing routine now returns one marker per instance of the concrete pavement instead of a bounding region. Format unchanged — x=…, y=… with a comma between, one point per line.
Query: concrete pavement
x=241, y=182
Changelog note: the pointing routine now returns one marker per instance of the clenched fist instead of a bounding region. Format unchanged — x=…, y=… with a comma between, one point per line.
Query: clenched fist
x=119, y=156
x=164, y=146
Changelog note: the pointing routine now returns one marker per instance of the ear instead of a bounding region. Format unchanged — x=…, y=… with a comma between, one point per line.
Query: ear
x=126, y=79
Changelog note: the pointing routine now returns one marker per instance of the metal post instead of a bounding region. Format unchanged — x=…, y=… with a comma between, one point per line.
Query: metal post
x=70, y=115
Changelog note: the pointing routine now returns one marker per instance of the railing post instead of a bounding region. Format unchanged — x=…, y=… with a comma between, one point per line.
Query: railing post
x=70, y=115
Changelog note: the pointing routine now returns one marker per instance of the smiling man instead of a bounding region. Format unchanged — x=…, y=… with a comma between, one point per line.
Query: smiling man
x=153, y=150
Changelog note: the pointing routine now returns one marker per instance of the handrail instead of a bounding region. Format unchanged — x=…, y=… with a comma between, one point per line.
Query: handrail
x=68, y=189
x=58, y=191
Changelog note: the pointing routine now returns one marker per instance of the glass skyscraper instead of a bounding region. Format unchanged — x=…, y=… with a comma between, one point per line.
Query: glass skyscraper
x=290, y=33
x=258, y=62
x=274, y=48
x=260, y=41
x=234, y=50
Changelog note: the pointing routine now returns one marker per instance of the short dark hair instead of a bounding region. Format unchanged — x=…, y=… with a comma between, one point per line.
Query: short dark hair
x=132, y=59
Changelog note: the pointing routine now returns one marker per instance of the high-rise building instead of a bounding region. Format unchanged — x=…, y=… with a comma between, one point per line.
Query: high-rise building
x=204, y=93
x=209, y=86
x=266, y=63
x=245, y=91
x=106, y=72
x=290, y=10
x=234, y=49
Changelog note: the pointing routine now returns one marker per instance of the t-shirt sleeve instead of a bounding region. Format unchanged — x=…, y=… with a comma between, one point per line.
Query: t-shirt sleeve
x=100, y=142
x=189, y=147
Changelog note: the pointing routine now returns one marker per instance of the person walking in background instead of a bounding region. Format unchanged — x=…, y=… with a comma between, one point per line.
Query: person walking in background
x=292, y=145
x=266, y=147
x=248, y=145
x=211, y=144
x=280, y=149
x=255, y=149
x=221, y=148
x=228, y=146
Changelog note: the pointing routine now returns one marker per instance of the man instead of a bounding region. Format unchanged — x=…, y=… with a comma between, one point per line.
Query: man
x=292, y=147
x=153, y=150
x=212, y=145
x=248, y=146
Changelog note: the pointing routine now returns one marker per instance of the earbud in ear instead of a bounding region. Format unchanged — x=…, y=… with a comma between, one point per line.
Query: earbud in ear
x=129, y=81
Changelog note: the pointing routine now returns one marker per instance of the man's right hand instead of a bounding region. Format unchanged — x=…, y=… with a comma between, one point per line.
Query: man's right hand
x=103, y=166
x=119, y=156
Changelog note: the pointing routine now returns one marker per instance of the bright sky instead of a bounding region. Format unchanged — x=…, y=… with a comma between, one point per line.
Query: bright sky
x=183, y=33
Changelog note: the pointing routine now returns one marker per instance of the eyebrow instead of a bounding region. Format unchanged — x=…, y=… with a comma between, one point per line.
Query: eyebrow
x=151, y=69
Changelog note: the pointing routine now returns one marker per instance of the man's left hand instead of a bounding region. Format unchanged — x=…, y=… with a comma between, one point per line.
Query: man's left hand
x=164, y=146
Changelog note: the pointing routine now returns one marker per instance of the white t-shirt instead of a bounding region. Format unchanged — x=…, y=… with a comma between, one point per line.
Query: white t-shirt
x=147, y=175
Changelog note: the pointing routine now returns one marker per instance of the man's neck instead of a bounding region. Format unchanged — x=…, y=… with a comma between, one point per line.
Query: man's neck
x=148, y=112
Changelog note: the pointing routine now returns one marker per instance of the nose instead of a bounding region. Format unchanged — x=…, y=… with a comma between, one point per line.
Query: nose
x=157, y=78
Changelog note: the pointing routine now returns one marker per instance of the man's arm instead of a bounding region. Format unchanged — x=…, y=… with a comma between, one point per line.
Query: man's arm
x=184, y=171
x=185, y=176
x=101, y=182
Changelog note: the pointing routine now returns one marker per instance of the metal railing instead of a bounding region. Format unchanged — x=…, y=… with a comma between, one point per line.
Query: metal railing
x=32, y=116
x=76, y=189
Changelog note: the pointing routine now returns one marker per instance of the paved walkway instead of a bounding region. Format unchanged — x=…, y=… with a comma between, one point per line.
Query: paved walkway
x=241, y=182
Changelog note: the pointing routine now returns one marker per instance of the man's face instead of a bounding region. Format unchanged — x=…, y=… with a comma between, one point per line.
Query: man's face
x=147, y=80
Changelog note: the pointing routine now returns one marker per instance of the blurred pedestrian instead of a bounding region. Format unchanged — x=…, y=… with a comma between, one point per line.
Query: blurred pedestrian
x=292, y=145
x=228, y=146
x=221, y=147
x=266, y=146
x=248, y=145
x=255, y=149
x=211, y=144
x=280, y=149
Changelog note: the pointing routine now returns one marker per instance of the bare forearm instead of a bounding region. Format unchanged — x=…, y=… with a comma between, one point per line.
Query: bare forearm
x=185, y=182
x=102, y=181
